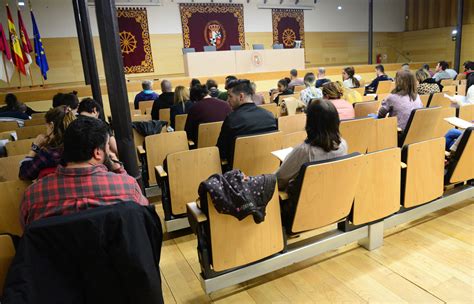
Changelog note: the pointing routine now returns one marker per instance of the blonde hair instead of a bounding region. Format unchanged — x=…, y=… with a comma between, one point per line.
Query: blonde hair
x=181, y=95
x=333, y=90
x=405, y=84
x=61, y=117
x=422, y=75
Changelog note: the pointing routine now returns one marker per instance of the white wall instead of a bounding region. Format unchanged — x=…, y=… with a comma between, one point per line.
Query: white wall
x=55, y=17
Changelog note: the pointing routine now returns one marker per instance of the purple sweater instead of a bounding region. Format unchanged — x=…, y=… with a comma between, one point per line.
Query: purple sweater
x=399, y=106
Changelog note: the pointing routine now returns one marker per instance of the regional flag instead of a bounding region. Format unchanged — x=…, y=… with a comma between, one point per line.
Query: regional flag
x=39, y=50
x=15, y=45
x=24, y=42
x=6, y=64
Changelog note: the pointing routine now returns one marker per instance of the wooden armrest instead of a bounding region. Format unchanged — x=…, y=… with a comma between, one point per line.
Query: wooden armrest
x=283, y=195
x=197, y=214
x=224, y=162
x=190, y=143
x=161, y=172
x=403, y=165
x=140, y=150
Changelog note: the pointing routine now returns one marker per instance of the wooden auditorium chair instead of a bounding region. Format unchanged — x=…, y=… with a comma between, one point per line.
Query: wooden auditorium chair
x=384, y=87
x=422, y=125
x=385, y=134
x=144, y=105
x=12, y=194
x=180, y=122
x=179, y=180
x=291, y=123
x=438, y=100
x=357, y=133
x=10, y=167
x=425, y=99
x=30, y=132
x=461, y=164
x=8, y=126
x=443, y=125
x=18, y=147
x=208, y=133
x=7, y=253
x=466, y=112
x=164, y=115
x=363, y=109
x=293, y=139
x=141, y=117
x=272, y=108
x=34, y=122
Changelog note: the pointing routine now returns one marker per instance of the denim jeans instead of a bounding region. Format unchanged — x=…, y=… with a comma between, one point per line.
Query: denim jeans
x=451, y=137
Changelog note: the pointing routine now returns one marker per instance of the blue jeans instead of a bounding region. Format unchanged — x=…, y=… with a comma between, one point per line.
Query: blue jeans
x=451, y=137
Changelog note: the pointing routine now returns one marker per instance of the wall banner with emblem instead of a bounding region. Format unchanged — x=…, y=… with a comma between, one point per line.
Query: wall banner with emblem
x=288, y=27
x=220, y=25
x=135, y=40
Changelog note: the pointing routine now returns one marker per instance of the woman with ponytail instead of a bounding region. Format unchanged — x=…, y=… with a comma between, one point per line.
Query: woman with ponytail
x=47, y=149
x=283, y=89
x=311, y=92
x=350, y=79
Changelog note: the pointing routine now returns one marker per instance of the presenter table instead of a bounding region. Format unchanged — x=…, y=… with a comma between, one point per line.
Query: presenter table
x=245, y=61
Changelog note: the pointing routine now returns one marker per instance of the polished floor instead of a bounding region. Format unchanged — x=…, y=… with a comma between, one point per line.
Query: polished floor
x=427, y=261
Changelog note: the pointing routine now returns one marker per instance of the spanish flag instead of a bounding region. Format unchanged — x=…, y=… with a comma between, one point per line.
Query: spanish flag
x=17, y=52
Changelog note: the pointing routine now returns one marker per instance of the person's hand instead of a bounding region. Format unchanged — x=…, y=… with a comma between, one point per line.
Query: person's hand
x=115, y=163
x=40, y=140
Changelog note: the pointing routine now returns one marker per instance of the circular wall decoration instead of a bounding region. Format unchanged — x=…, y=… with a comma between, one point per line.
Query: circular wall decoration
x=289, y=37
x=128, y=43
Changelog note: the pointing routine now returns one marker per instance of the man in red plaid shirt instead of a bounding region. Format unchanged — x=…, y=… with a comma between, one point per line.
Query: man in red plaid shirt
x=92, y=176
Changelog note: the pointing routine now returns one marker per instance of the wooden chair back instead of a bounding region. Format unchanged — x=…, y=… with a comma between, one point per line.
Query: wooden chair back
x=272, y=108
x=7, y=253
x=18, y=147
x=357, y=133
x=34, y=122
x=186, y=170
x=135, y=112
x=444, y=126
x=144, y=105
x=208, y=133
x=384, y=87
x=360, y=90
x=463, y=81
x=378, y=193
x=131, y=106
x=422, y=125
x=363, y=109
x=38, y=115
x=381, y=97
x=30, y=132
x=158, y=146
x=12, y=194
x=320, y=202
x=138, y=140
x=165, y=115
x=461, y=90
x=294, y=139
x=461, y=167
x=298, y=88
x=385, y=134
x=438, y=100
x=425, y=99
x=145, y=117
x=252, y=154
x=180, y=122
x=10, y=167
x=466, y=112
x=6, y=135
x=292, y=123
x=367, y=98
x=450, y=88
x=446, y=82
x=8, y=126
x=259, y=240
x=423, y=180
x=266, y=96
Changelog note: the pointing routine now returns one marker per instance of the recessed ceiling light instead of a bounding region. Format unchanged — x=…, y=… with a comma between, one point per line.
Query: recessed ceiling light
x=21, y=3
x=339, y=7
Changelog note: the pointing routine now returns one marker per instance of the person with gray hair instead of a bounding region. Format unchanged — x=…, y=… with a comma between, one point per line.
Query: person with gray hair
x=321, y=77
x=165, y=101
x=146, y=94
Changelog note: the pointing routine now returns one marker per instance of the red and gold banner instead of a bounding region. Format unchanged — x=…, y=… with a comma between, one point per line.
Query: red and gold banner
x=288, y=26
x=220, y=25
x=135, y=40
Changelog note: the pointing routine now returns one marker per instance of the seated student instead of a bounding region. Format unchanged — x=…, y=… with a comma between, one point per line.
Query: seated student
x=322, y=77
x=283, y=89
x=19, y=112
x=294, y=80
x=310, y=92
x=223, y=94
x=405, y=67
x=92, y=176
x=194, y=82
x=381, y=76
x=47, y=149
x=257, y=98
x=212, y=87
x=441, y=71
x=426, y=84
x=323, y=142
x=246, y=118
x=13, y=105
x=69, y=99
x=334, y=92
x=165, y=101
x=427, y=68
x=146, y=94
x=403, y=99
x=88, y=107
x=181, y=104
x=205, y=109
x=350, y=80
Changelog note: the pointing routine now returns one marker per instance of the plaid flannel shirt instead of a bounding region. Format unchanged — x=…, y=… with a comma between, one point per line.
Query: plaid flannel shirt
x=70, y=190
x=31, y=167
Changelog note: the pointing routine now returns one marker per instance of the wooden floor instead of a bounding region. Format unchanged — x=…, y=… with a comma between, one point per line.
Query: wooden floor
x=427, y=261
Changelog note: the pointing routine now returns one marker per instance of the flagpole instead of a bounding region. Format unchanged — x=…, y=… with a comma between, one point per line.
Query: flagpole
x=19, y=77
x=6, y=71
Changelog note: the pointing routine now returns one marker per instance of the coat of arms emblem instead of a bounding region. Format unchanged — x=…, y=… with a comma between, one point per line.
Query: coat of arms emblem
x=214, y=34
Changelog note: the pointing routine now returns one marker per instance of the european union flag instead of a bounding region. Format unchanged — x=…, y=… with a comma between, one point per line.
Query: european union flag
x=40, y=56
